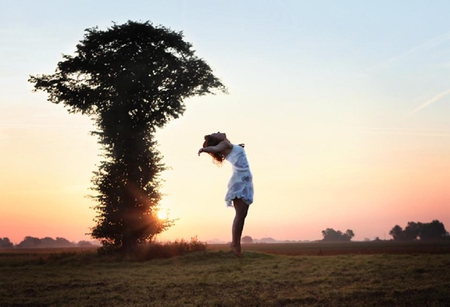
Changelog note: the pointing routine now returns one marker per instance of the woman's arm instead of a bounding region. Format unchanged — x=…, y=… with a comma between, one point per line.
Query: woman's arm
x=221, y=147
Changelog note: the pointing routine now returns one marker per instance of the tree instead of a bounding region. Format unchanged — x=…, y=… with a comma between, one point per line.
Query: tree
x=432, y=231
x=348, y=235
x=247, y=240
x=332, y=235
x=423, y=231
x=131, y=79
x=84, y=243
x=30, y=242
x=6, y=243
x=397, y=233
x=412, y=231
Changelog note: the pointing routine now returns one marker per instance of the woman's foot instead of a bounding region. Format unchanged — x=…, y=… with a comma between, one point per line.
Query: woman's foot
x=236, y=250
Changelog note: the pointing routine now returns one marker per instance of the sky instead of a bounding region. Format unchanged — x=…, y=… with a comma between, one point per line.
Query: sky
x=343, y=106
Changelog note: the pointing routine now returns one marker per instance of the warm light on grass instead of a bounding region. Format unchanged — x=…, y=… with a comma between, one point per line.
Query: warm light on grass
x=218, y=278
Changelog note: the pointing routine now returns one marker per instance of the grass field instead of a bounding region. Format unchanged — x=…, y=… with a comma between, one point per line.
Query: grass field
x=355, y=274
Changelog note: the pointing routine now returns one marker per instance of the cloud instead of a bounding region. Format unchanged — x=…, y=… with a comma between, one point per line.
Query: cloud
x=428, y=45
x=429, y=101
x=407, y=131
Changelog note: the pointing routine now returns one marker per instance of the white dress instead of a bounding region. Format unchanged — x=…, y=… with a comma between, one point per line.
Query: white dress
x=241, y=182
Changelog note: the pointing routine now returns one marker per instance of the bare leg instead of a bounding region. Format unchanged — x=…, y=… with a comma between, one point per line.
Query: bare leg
x=238, y=225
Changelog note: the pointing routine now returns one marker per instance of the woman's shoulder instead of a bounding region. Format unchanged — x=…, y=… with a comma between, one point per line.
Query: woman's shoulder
x=227, y=144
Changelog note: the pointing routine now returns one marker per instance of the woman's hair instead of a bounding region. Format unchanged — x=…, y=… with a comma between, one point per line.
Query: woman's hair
x=218, y=158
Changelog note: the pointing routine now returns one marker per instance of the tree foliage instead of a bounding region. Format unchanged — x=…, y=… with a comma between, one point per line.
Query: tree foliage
x=47, y=242
x=330, y=234
x=397, y=233
x=6, y=243
x=247, y=240
x=131, y=79
x=434, y=230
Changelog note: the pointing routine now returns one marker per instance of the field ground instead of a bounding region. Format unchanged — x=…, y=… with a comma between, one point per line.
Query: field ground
x=354, y=274
x=341, y=248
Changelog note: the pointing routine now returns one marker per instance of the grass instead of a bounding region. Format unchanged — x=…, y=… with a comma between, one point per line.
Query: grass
x=340, y=248
x=216, y=278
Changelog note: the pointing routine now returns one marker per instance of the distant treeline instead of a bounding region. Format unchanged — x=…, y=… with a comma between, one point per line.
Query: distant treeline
x=47, y=242
x=420, y=231
x=414, y=231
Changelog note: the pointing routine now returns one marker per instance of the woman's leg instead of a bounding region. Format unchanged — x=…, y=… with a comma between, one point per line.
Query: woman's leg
x=238, y=225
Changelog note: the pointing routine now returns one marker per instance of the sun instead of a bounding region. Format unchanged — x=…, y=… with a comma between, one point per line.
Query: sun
x=162, y=215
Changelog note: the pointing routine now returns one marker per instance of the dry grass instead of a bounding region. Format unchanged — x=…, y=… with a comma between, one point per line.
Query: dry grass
x=346, y=248
x=217, y=278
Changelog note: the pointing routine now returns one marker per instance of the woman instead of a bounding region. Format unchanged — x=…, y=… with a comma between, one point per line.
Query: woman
x=240, y=186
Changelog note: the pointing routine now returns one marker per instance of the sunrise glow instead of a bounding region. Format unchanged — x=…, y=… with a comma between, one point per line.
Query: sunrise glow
x=345, y=118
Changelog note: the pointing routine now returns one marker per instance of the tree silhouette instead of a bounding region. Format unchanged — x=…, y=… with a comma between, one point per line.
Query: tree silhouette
x=423, y=231
x=397, y=233
x=6, y=243
x=30, y=242
x=432, y=231
x=84, y=243
x=412, y=231
x=247, y=240
x=330, y=234
x=131, y=79
x=348, y=235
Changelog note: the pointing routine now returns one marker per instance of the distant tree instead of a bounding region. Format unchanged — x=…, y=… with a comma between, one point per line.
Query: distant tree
x=30, y=242
x=412, y=231
x=423, y=231
x=446, y=236
x=84, y=244
x=268, y=240
x=247, y=240
x=348, y=235
x=432, y=231
x=397, y=233
x=132, y=79
x=62, y=242
x=332, y=235
x=47, y=242
x=6, y=243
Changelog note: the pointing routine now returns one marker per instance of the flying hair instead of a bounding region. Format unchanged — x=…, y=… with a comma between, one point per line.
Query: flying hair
x=218, y=158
